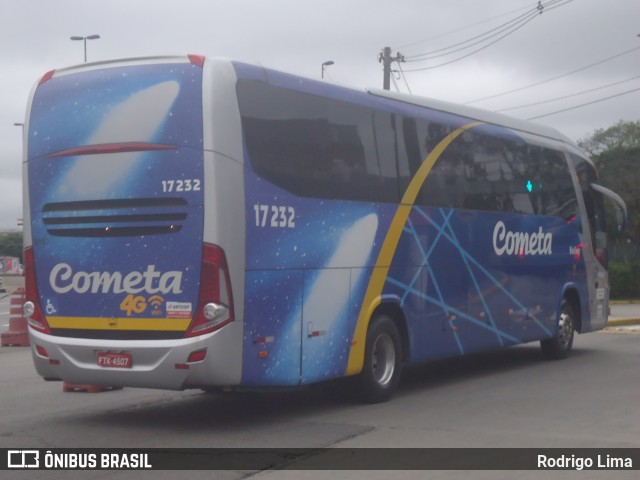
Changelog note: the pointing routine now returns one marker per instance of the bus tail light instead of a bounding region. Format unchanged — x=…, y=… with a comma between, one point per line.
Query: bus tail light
x=197, y=60
x=32, y=309
x=215, y=301
x=46, y=77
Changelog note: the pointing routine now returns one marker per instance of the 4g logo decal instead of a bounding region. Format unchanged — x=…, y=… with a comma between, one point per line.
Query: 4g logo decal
x=133, y=304
x=138, y=304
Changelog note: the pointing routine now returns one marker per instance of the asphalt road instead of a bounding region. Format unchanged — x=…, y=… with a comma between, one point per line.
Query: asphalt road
x=508, y=398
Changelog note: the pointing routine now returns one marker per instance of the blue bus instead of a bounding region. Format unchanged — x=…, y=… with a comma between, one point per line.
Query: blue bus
x=204, y=223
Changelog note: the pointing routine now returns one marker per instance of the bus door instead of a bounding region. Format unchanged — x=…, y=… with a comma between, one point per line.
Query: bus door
x=325, y=315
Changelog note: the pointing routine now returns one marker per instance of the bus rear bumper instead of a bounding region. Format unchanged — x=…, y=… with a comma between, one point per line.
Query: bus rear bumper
x=160, y=364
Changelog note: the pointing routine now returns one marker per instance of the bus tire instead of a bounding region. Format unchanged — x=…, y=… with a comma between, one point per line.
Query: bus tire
x=559, y=346
x=382, y=361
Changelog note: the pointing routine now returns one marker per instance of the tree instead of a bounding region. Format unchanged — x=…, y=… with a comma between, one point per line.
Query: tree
x=11, y=245
x=619, y=136
x=619, y=170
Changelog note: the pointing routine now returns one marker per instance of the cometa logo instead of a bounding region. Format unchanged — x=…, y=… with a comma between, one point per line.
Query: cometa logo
x=64, y=280
x=520, y=243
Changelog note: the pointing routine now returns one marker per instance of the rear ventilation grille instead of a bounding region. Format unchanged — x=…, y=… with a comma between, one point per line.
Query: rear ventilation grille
x=115, y=218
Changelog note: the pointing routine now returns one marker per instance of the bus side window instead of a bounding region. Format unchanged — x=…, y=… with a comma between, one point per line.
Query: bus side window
x=316, y=147
x=441, y=187
x=487, y=174
x=414, y=155
x=392, y=154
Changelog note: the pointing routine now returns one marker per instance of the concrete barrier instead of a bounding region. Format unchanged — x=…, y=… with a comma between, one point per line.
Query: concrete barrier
x=17, y=335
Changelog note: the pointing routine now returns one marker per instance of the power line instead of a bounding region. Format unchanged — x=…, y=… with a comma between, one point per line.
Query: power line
x=506, y=25
x=404, y=77
x=434, y=54
x=408, y=45
x=585, y=104
x=475, y=51
x=564, y=97
x=395, y=83
x=599, y=62
x=509, y=27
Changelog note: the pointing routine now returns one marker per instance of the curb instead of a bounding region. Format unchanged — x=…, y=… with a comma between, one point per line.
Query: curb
x=617, y=322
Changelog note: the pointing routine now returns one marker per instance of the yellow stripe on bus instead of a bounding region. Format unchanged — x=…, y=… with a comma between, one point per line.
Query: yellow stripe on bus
x=378, y=279
x=100, y=323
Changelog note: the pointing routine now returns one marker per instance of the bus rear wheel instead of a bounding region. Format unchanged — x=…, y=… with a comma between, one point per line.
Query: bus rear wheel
x=382, y=361
x=559, y=346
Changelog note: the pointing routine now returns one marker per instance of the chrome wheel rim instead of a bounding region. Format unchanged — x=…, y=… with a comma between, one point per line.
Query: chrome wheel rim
x=565, y=330
x=383, y=359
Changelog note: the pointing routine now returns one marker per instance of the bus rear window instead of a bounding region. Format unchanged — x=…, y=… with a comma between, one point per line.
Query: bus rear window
x=123, y=105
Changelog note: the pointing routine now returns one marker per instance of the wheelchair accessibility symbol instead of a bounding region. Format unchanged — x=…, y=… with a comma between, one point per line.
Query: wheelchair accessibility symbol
x=50, y=309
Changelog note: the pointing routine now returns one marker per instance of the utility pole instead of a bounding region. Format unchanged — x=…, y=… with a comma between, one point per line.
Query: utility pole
x=386, y=59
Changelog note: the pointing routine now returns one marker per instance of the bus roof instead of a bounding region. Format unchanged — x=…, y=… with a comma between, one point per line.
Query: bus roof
x=118, y=62
x=475, y=114
x=472, y=113
x=448, y=107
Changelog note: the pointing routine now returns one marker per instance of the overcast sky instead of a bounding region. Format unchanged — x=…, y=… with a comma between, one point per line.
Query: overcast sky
x=299, y=35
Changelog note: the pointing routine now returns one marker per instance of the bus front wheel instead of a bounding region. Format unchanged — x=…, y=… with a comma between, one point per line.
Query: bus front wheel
x=560, y=345
x=382, y=360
